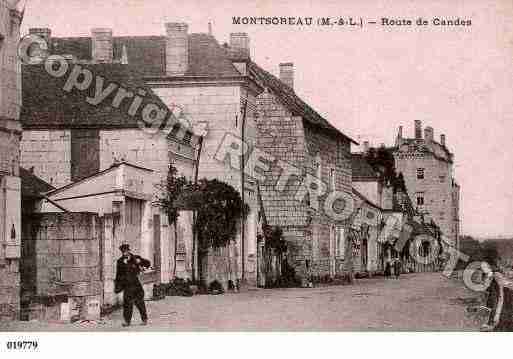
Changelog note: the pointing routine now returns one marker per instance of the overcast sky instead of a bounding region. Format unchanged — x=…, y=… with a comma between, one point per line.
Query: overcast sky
x=366, y=81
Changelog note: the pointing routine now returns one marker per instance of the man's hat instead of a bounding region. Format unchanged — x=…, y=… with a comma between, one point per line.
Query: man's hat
x=124, y=247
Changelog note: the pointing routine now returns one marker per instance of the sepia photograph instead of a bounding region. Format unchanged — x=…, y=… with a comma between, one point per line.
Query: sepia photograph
x=255, y=166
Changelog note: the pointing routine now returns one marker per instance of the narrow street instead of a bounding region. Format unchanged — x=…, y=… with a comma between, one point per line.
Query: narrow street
x=425, y=301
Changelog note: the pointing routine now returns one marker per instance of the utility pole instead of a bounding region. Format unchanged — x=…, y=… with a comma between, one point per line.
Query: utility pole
x=194, y=214
x=242, y=219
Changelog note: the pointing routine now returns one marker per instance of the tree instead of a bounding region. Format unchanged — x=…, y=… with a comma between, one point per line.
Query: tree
x=170, y=191
x=218, y=209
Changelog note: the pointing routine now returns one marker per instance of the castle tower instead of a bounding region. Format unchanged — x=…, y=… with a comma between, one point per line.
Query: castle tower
x=10, y=183
x=427, y=167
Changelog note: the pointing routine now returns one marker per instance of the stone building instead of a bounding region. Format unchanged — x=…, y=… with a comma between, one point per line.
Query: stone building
x=399, y=219
x=428, y=169
x=10, y=182
x=102, y=160
x=364, y=231
x=292, y=132
x=220, y=88
x=190, y=74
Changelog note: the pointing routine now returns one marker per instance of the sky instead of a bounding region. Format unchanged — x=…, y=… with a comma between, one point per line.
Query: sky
x=366, y=81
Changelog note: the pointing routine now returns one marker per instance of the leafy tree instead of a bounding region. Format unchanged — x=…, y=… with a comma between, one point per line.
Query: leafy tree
x=170, y=190
x=382, y=160
x=218, y=208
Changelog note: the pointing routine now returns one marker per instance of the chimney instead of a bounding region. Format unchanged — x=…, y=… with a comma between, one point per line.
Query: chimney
x=177, y=48
x=442, y=139
x=43, y=32
x=287, y=74
x=399, y=138
x=418, y=129
x=429, y=134
x=101, y=39
x=124, y=56
x=239, y=45
x=366, y=147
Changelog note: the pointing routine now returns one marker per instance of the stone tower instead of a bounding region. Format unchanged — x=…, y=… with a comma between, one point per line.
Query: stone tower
x=427, y=167
x=10, y=183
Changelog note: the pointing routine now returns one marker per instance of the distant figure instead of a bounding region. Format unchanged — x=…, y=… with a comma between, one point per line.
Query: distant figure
x=127, y=281
x=388, y=269
x=397, y=268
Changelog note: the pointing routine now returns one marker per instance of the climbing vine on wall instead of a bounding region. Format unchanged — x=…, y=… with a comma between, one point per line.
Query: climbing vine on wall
x=219, y=208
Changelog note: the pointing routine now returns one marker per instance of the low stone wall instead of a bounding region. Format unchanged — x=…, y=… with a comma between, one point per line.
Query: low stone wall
x=61, y=257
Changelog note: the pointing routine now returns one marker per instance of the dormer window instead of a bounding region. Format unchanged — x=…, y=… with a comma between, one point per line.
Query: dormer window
x=187, y=138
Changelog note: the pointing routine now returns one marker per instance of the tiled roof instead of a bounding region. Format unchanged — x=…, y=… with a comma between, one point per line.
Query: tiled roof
x=31, y=185
x=361, y=169
x=47, y=105
x=292, y=101
x=148, y=54
x=96, y=174
x=207, y=58
x=365, y=199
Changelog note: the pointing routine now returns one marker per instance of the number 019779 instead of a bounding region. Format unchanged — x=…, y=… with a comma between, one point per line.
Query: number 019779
x=22, y=345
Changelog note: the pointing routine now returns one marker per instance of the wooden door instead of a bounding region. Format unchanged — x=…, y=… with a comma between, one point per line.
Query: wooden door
x=156, y=245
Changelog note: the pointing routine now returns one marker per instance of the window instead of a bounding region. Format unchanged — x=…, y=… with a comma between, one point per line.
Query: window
x=420, y=200
x=174, y=130
x=187, y=137
x=442, y=179
x=332, y=179
x=420, y=173
x=318, y=170
x=424, y=249
x=340, y=242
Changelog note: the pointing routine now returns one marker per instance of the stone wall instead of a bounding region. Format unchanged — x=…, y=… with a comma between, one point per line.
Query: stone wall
x=282, y=136
x=142, y=149
x=9, y=148
x=219, y=106
x=61, y=255
x=293, y=141
x=330, y=153
x=436, y=187
x=10, y=133
x=49, y=152
x=9, y=289
x=10, y=79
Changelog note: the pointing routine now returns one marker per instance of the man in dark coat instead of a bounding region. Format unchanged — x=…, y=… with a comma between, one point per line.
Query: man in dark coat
x=388, y=269
x=397, y=268
x=128, y=268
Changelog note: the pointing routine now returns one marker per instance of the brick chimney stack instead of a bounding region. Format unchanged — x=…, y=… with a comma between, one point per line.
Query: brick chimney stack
x=287, y=74
x=366, y=147
x=429, y=134
x=102, y=45
x=399, y=138
x=418, y=129
x=239, y=45
x=442, y=139
x=177, y=48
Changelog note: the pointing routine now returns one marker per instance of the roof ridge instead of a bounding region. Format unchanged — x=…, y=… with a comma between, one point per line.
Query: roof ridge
x=302, y=106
